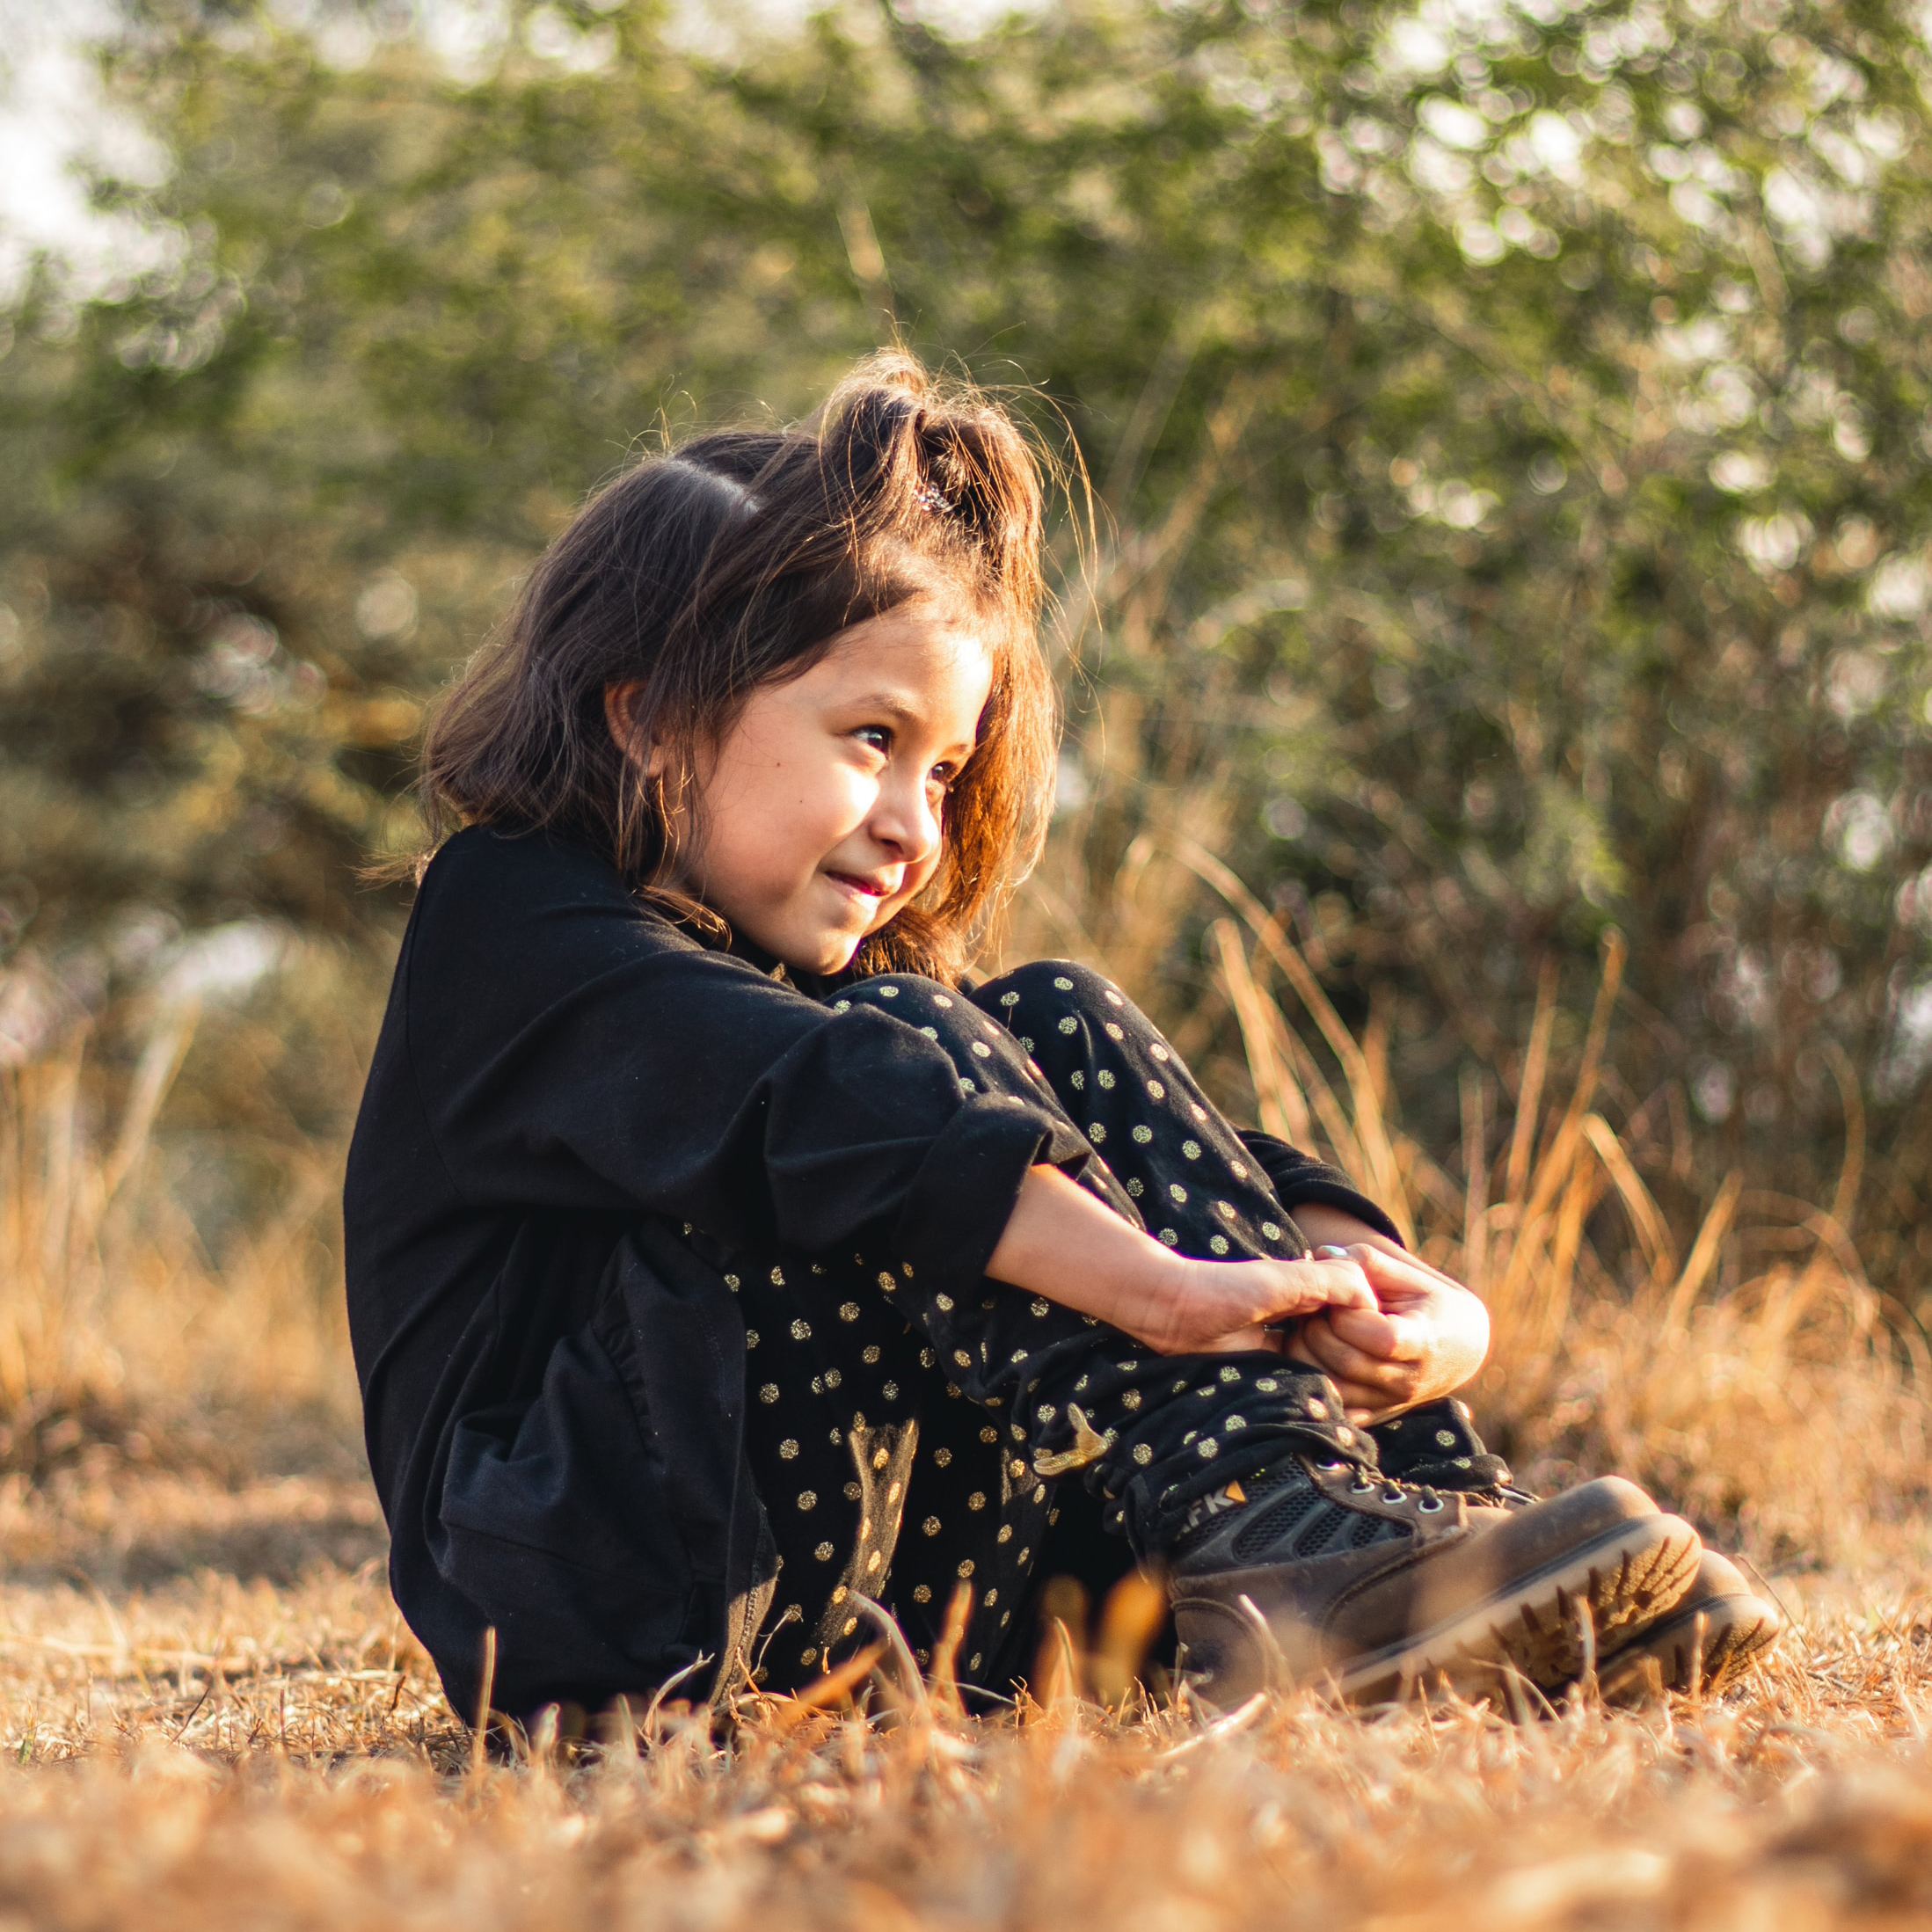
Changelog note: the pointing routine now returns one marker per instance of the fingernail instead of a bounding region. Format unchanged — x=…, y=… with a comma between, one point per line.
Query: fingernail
x=1331, y=1254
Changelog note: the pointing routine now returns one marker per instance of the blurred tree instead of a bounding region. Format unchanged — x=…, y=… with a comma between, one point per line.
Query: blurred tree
x=1511, y=423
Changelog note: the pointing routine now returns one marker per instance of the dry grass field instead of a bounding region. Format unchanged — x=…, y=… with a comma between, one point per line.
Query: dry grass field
x=210, y=1714
x=213, y=1746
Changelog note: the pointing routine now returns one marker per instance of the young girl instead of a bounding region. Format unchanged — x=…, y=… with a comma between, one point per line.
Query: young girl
x=718, y=1255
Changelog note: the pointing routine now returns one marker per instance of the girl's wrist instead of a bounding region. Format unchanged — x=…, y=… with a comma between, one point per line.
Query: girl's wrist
x=1162, y=1295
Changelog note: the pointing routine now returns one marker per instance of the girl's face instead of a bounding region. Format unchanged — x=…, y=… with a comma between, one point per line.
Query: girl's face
x=822, y=812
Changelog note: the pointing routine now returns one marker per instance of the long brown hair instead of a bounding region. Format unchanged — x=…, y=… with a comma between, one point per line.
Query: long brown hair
x=734, y=559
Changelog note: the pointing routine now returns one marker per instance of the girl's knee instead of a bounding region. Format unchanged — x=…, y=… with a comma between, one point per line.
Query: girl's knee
x=936, y=1010
x=891, y=989
x=1065, y=982
x=987, y=1057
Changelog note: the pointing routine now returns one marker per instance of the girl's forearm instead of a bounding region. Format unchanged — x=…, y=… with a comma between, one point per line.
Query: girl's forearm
x=1062, y=1242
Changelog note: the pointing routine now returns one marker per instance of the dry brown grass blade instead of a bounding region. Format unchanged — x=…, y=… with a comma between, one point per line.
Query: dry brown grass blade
x=1652, y=1232
x=833, y=1688
x=1380, y=1171
x=1538, y=1274
x=1130, y=1620
x=1237, y=1720
x=479, y=1731
x=167, y=1046
x=1529, y=1091
x=1580, y=1194
x=942, y=1679
x=1552, y=1173
x=1703, y=1259
x=1383, y=1173
x=1063, y=1677
x=907, y=1685
x=1337, y=1126
x=1851, y=1098
x=1278, y=1096
x=1475, y=1231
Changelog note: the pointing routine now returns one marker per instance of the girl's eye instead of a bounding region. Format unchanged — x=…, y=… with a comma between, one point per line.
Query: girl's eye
x=878, y=737
x=943, y=777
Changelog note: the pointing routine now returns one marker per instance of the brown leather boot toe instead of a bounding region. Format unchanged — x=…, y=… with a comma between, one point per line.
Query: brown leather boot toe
x=1332, y=1574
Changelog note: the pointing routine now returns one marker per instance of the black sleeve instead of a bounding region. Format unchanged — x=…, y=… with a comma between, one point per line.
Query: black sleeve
x=574, y=1050
x=1300, y=1178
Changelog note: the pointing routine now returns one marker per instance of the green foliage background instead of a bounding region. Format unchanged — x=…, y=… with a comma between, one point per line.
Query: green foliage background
x=1509, y=424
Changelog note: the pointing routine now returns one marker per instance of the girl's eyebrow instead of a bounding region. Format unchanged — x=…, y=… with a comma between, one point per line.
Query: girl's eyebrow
x=895, y=708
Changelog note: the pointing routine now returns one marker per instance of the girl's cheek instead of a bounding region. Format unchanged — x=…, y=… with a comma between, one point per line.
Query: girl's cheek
x=917, y=880
x=855, y=798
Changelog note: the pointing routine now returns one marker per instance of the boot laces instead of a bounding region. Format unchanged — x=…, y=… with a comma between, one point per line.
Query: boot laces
x=1428, y=1500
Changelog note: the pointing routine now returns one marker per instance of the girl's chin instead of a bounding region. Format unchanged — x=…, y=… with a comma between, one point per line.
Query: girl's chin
x=832, y=953
x=832, y=950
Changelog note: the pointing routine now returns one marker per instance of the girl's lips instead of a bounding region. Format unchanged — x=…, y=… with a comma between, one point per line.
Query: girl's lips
x=855, y=885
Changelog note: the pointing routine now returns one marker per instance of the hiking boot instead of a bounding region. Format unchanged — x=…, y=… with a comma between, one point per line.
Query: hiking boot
x=1719, y=1625
x=1316, y=1572
x=1436, y=1444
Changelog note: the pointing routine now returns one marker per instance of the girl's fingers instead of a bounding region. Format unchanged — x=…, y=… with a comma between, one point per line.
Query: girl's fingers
x=1363, y=1409
x=1377, y=1306
x=1224, y=1299
x=1348, y=1367
x=1392, y=1337
x=1394, y=1275
x=1366, y=1329
x=1401, y=1282
x=1327, y=1283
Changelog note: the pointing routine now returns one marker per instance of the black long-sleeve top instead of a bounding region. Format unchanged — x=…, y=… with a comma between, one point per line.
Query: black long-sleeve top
x=575, y=1116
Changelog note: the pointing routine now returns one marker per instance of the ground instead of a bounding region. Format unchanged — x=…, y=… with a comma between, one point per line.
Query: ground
x=213, y=1715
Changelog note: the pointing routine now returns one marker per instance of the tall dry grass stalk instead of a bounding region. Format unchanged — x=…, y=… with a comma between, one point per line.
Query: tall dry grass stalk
x=121, y=1335
x=1743, y=1368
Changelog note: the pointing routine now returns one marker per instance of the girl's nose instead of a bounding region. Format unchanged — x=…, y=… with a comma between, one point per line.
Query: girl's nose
x=905, y=819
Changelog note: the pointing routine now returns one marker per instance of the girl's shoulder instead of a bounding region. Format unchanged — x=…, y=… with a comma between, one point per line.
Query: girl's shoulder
x=488, y=891
x=515, y=934
x=536, y=863
x=530, y=917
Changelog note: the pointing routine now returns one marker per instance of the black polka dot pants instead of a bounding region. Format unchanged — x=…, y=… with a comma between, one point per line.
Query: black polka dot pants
x=907, y=1441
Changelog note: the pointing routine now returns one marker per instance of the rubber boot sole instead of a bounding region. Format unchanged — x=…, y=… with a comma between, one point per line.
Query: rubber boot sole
x=1633, y=1574
x=1703, y=1646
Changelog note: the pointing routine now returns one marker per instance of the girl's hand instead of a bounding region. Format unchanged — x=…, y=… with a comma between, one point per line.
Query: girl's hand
x=1222, y=1305
x=1426, y=1336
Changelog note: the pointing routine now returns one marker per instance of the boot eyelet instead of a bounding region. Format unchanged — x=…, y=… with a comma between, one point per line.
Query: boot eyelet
x=1360, y=1489
x=1429, y=1506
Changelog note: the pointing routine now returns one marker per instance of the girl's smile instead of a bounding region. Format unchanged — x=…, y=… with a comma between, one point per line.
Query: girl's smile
x=822, y=812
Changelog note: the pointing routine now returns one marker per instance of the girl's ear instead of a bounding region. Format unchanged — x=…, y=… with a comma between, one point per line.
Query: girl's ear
x=621, y=720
